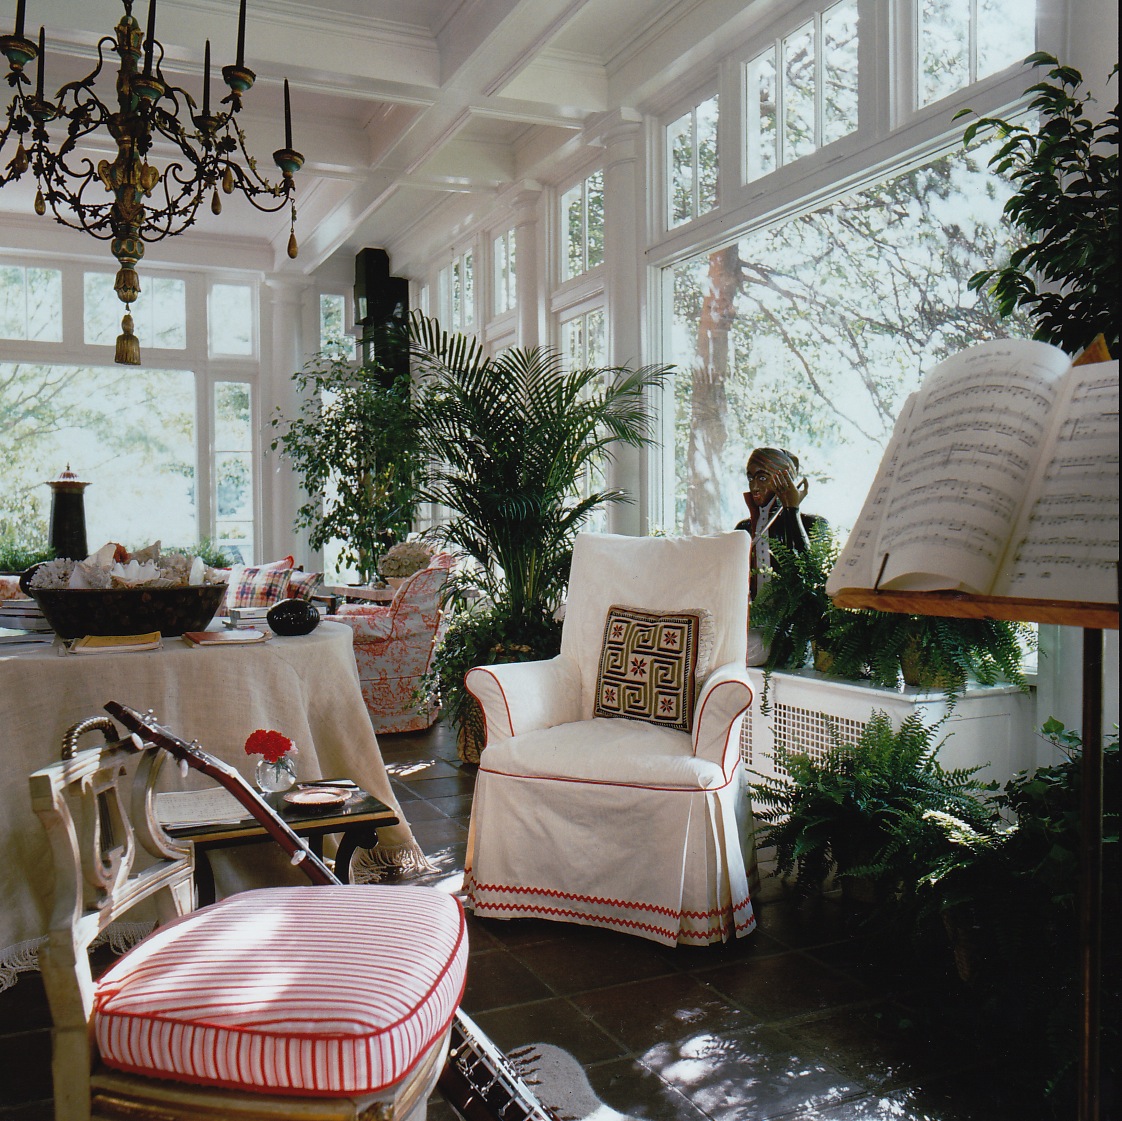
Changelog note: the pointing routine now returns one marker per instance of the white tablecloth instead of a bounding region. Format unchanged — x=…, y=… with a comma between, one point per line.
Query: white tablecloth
x=305, y=687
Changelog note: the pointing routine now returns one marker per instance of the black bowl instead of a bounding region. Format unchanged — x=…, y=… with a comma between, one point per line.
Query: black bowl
x=73, y=612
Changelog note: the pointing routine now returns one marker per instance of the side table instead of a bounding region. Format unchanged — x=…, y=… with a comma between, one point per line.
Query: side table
x=358, y=820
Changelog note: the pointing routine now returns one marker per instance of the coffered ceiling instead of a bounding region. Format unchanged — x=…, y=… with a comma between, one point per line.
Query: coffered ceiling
x=396, y=103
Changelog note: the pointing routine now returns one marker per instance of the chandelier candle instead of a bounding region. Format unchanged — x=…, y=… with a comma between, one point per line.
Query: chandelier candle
x=153, y=117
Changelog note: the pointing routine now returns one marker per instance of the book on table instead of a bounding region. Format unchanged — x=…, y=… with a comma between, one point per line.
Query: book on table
x=1001, y=479
x=17, y=636
x=115, y=643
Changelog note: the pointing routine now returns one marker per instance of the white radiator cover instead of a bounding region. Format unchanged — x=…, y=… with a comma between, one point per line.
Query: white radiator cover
x=991, y=726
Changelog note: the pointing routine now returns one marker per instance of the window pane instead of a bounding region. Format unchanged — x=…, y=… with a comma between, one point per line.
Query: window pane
x=572, y=218
x=821, y=363
x=596, y=347
x=679, y=151
x=457, y=295
x=233, y=486
x=232, y=428
x=500, y=275
x=130, y=431
x=761, y=113
x=595, y=253
x=1006, y=34
x=707, y=155
x=798, y=93
x=839, y=71
x=944, y=48
x=231, y=319
x=332, y=326
x=512, y=270
x=31, y=304
x=159, y=314
x=469, y=290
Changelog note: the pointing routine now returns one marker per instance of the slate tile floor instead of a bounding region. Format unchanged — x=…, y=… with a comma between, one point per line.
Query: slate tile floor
x=790, y=1023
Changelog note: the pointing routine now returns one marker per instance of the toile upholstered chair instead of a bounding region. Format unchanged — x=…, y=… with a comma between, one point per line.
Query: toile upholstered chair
x=611, y=790
x=319, y=1002
x=394, y=645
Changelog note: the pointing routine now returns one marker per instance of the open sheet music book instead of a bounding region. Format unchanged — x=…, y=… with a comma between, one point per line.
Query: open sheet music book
x=1001, y=478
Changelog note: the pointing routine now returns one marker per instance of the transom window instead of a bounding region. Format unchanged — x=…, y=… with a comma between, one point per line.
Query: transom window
x=582, y=226
x=231, y=319
x=691, y=163
x=963, y=41
x=159, y=314
x=801, y=93
x=30, y=304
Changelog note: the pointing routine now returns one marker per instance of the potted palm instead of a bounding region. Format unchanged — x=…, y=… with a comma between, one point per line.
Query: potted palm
x=511, y=440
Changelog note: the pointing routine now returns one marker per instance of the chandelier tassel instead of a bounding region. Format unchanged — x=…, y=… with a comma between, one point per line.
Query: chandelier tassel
x=128, y=345
x=215, y=203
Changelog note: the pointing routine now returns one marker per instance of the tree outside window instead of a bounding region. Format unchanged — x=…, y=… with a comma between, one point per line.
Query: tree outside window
x=809, y=334
x=691, y=164
x=582, y=226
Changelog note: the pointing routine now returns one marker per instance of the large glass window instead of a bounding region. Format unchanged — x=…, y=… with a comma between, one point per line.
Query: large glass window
x=807, y=335
x=801, y=93
x=962, y=41
x=691, y=164
x=129, y=431
x=582, y=226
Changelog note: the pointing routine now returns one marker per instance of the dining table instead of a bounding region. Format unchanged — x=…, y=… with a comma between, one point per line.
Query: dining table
x=305, y=687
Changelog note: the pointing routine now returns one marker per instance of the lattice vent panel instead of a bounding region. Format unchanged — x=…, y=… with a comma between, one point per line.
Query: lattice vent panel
x=807, y=731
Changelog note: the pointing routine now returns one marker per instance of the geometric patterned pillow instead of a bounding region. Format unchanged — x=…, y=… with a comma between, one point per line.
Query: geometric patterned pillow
x=651, y=664
x=302, y=585
x=259, y=587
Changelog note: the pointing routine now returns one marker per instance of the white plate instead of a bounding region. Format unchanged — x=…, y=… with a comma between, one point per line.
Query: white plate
x=319, y=797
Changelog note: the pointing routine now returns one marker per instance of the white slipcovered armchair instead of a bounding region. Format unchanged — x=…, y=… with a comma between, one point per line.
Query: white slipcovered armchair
x=616, y=822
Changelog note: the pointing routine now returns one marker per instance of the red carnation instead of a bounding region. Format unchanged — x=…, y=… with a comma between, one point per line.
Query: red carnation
x=273, y=745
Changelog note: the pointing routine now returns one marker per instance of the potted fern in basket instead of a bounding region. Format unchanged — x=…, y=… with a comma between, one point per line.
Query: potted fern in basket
x=844, y=813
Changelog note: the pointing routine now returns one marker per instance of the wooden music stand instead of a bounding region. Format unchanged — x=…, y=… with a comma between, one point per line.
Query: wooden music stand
x=1094, y=618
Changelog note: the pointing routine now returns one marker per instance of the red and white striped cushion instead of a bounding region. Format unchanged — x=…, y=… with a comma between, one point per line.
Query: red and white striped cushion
x=304, y=990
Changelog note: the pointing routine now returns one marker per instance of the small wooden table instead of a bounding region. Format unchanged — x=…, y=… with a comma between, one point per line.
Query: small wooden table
x=358, y=820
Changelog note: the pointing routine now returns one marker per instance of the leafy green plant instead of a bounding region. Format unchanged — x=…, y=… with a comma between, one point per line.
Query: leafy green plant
x=1065, y=166
x=845, y=812
x=1006, y=895
x=929, y=651
x=512, y=438
x=210, y=553
x=355, y=447
x=514, y=442
x=18, y=556
x=792, y=610
x=483, y=634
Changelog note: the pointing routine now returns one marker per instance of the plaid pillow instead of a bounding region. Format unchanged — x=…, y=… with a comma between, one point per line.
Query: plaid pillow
x=651, y=664
x=259, y=587
x=302, y=585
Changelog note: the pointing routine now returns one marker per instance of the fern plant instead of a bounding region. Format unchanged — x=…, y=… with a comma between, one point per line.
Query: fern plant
x=846, y=812
x=927, y=650
x=792, y=610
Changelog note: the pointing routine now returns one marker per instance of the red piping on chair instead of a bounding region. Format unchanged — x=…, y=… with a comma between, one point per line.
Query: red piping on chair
x=506, y=703
x=601, y=782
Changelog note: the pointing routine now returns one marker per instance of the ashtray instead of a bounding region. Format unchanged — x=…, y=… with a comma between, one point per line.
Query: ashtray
x=319, y=797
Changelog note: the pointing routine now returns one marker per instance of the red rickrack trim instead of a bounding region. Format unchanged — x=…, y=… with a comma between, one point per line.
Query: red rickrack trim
x=553, y=893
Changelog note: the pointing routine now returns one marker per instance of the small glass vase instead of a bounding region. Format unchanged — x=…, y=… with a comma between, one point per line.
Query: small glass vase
x=273, y=778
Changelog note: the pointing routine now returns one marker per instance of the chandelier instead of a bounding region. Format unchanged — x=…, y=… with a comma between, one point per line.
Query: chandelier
x=205, y=151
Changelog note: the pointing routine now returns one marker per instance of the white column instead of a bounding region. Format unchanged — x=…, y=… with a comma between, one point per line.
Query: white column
x=625, y=205
x=525, y=199
x=282, y=354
